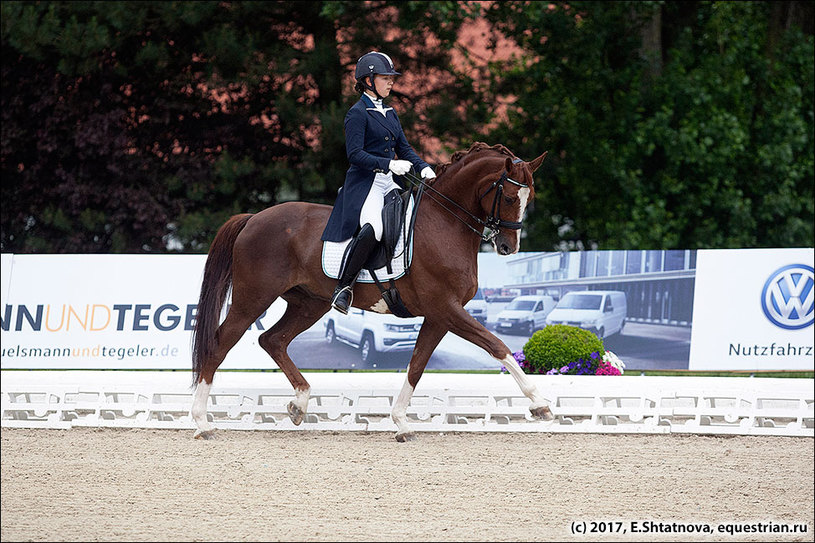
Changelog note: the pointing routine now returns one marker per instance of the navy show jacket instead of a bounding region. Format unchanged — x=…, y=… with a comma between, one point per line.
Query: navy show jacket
x=372, y=140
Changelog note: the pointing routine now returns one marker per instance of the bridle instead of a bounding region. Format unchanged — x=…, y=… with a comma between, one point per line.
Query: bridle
x=493, y=221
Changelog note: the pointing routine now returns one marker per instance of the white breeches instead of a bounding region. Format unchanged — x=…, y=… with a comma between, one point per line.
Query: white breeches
x=372, y=208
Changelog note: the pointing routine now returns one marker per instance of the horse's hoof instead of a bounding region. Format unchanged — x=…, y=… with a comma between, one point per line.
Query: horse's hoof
x=205, y=434
x=542, y=413
x=295, y=414
x=407, y=436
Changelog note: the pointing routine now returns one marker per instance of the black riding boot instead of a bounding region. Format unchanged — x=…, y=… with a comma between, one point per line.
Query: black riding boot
x=353, y=261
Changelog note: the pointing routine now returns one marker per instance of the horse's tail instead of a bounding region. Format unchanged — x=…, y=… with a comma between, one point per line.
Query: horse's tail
x=214, y=289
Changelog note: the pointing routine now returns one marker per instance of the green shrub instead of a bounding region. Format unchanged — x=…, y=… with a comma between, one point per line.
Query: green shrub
x=559, y=345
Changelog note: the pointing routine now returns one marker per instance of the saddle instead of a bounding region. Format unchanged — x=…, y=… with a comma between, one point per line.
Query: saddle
x=392, y=257
x=393, y=221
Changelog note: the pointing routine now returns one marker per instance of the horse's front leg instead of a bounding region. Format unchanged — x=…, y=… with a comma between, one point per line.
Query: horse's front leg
x=540, y=405
x=429, y=337
x=465, y=326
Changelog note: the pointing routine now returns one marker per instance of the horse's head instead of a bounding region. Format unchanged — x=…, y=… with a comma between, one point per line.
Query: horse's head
x=504, y=189
x=505, y=202
x=495, y=187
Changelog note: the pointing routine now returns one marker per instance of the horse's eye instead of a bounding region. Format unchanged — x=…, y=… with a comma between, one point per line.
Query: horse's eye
x=509, y=200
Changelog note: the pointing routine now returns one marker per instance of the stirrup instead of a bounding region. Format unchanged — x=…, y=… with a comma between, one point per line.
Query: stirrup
x=334, y=300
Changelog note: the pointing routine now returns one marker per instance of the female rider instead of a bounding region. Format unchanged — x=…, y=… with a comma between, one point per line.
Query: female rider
x=373, y=140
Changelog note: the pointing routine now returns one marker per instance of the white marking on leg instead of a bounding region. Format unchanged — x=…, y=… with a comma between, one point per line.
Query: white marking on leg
x=301, y=398
x=199, y=407
x=380, y=307
x=529, y=389
x=399, y=413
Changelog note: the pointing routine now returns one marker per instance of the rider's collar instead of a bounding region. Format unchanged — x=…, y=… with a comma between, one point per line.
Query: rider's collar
x=377, y=104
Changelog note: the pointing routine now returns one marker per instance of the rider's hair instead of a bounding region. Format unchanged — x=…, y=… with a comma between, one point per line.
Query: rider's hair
x=359, y=87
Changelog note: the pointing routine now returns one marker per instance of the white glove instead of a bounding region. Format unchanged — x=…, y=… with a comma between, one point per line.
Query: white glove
x=400, y=167
x=428, y=173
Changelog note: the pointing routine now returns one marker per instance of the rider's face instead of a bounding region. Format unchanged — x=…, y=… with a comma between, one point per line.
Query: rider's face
x=383, y=84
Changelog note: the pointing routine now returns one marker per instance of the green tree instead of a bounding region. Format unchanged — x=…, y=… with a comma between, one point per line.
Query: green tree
x=138, y=126
x=671, y=125
x=141, y=126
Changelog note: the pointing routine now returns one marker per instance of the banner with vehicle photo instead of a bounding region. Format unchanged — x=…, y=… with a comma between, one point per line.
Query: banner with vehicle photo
x=109, y=312
x=748, y=309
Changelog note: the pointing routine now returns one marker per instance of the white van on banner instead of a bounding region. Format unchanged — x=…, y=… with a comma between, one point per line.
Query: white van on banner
x=753, y=310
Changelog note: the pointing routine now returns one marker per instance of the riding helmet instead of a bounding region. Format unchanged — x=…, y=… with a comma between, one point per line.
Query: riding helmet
x=374, y=63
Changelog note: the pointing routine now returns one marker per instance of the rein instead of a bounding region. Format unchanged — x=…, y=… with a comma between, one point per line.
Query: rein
x=493, y=222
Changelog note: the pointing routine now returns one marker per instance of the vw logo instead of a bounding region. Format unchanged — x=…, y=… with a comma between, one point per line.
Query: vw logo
x=787, y=298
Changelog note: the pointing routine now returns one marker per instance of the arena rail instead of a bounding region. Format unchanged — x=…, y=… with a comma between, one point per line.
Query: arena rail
x=443, y=402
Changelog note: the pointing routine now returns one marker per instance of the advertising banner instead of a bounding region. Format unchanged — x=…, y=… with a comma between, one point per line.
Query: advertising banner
x=742, y=309
x=108, y=312
x=753, y=310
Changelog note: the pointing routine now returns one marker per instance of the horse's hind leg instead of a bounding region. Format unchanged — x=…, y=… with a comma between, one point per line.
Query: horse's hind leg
x=228, y=334
x=302, y=312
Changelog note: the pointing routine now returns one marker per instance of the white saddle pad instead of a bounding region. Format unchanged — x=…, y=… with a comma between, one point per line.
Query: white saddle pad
x=333, y=252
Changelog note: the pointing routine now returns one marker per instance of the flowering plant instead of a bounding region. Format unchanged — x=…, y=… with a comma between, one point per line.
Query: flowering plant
x=579, y=366
x=608, y=364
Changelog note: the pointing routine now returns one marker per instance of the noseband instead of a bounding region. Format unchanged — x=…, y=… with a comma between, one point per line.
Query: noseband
x=493, y=221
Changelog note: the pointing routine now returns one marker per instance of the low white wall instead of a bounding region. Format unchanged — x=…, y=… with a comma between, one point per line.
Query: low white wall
x=443, y=402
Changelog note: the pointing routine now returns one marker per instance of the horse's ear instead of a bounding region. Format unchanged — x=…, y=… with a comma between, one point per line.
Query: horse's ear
x=535, y=164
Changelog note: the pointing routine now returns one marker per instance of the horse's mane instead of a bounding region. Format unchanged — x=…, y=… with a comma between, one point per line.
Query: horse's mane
x=474, y=148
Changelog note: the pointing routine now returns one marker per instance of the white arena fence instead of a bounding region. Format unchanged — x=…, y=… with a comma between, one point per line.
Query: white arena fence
x=443, y=402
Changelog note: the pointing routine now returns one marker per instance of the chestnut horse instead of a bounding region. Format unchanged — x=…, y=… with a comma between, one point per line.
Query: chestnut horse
x=277, y=252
